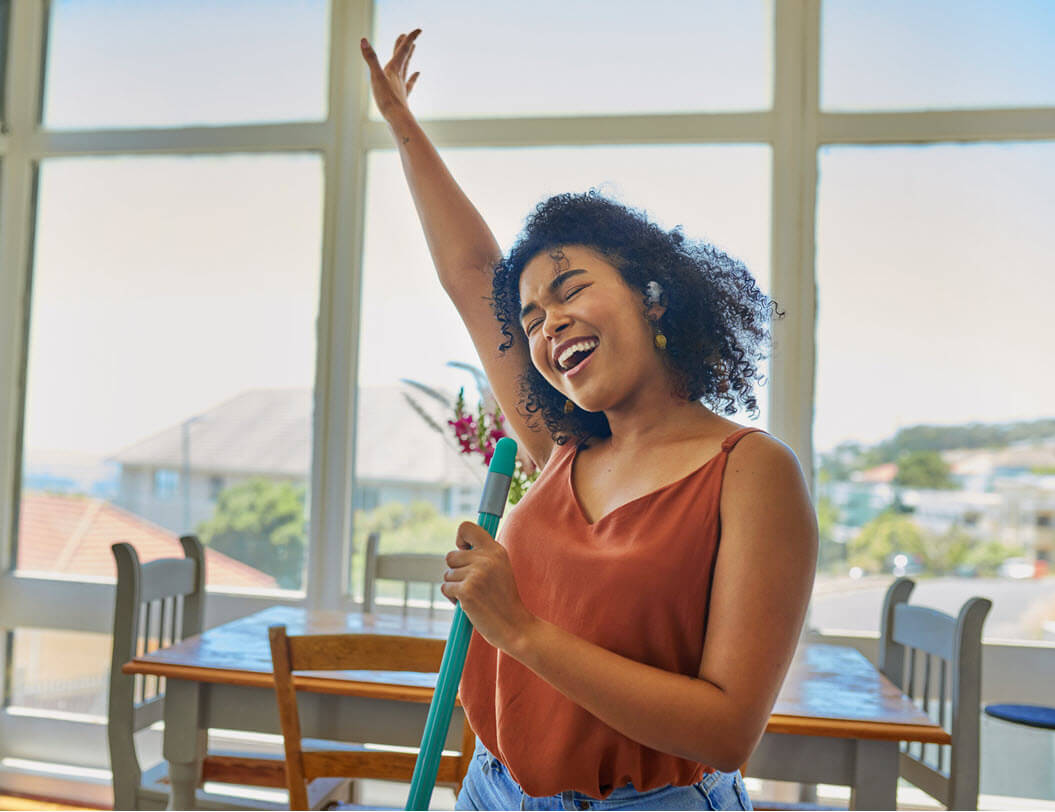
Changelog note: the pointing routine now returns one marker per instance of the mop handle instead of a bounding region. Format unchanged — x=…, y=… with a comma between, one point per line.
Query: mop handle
x=492, y=503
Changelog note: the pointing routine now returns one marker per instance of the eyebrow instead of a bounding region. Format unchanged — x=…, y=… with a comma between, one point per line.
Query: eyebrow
x=559, y=280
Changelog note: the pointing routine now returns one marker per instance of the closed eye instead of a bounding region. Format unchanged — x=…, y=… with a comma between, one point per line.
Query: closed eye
x=532, y=325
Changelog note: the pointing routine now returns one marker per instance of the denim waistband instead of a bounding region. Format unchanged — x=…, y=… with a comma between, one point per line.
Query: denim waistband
x=619, y=793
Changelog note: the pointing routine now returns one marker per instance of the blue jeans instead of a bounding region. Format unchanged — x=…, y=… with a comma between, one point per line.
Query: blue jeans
x=488, y=785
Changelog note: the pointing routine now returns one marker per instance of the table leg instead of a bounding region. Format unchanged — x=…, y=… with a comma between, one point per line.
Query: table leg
x=875, y=775
x=185, y=740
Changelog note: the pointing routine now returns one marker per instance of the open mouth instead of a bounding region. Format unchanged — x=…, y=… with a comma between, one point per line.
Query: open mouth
x=574, y=358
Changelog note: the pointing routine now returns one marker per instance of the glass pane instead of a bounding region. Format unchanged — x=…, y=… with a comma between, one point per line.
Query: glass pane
x=718, y=193
x=555, y=57
x=171, y=364
x=119, y=63
x=60, y=671
x=934, y=421
x=904, y=55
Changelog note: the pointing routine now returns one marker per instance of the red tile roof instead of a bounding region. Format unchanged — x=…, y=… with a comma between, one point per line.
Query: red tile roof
x=880, y=473
x=71, y=535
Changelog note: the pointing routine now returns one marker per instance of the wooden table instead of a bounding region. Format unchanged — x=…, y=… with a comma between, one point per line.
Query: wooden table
x=837, y=720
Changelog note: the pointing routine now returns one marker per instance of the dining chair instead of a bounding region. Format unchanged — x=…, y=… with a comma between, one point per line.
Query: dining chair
x=158, y=604
x=923, y=650
x=354, y=652
x=406, y=567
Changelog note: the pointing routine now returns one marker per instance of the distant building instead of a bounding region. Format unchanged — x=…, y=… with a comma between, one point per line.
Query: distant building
x=62, y=535
x=999, y=497
x=268, y=433
x=884, y=473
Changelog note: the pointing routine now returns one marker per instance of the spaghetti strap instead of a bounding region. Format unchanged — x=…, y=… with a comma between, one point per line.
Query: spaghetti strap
x=734, y=438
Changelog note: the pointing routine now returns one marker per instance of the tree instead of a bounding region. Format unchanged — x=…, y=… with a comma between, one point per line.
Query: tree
x=415, y=528
x=261, y=523
x=944, y=554
x=887, y=534
x=923, y=469
x=831, y=553
x=985, y=559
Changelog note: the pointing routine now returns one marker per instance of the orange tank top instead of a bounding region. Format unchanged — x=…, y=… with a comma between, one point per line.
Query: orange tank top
x=637, y=582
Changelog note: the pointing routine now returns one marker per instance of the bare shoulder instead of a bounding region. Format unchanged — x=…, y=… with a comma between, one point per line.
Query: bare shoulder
x=763, y=472
x=758, y=452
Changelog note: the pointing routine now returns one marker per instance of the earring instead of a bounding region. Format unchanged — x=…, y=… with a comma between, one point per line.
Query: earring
x=660, y=339
x=569, y=407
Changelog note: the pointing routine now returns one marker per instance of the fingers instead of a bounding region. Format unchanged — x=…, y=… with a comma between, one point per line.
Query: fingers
x=403, y=48
x=370, y=56
x=411, y=81
x=403, y=70
x=471, y=535
x=452, y=583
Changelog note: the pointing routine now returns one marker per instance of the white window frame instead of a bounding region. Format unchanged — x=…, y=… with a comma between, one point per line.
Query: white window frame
x=795, y=128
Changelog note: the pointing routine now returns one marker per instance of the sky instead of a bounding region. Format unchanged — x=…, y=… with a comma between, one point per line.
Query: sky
x=164, y=286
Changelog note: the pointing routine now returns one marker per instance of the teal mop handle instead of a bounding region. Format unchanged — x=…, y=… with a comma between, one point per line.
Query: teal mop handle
x=492, y=503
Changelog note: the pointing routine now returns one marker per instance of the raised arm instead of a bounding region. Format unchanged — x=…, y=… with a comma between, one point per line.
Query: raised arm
x=463, y=248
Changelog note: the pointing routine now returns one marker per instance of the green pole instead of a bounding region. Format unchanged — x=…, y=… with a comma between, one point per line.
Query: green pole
x=492, y=503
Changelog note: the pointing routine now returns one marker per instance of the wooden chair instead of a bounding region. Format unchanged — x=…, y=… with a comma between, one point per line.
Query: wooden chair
x=951, y=649
x=406, y=567
x=951, y=662
x=353, y=652
x=158, y=604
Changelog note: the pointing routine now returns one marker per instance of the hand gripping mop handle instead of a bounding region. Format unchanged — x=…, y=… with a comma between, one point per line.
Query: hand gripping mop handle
x=492, y=503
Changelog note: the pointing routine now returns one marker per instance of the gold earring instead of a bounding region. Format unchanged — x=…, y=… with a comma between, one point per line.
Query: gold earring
x=660, y=339
x=569, y=407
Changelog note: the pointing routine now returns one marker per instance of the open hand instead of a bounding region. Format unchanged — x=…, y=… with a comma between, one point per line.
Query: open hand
x=481, y=579
x=390, y=84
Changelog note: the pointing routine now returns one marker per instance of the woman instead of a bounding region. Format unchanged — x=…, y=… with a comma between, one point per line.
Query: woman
x=638, y=618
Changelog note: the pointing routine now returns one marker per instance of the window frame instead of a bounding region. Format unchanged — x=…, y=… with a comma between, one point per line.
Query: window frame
x=795, y=128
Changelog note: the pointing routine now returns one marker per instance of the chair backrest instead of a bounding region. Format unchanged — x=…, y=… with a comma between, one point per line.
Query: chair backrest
x=157, y=604
x=406, y=567
x=920, y=648
x=352, y=652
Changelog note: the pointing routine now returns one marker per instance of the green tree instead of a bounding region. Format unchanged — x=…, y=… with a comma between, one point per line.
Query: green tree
x=415, y=528
x=985, y=559
x=923, y=469
x=831, y=554
x=887, y=534
x=261, y=523
x=943, y=554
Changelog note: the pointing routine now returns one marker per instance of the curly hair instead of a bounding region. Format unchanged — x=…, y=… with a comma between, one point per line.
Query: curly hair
x=715, y=321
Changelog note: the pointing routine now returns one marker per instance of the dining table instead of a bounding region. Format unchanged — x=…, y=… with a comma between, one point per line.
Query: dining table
x=837, y=719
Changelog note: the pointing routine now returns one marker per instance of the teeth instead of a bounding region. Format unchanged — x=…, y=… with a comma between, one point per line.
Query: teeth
x=582, y=346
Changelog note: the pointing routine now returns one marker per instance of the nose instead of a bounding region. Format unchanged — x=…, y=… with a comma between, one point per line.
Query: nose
x=555, y=323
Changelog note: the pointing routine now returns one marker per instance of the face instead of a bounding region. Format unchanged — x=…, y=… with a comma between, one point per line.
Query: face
x=575, y=298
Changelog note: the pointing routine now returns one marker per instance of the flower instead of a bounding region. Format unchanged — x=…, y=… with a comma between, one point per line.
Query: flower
x=480, y=433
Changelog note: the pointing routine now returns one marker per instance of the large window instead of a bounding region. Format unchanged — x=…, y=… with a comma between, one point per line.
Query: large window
x=171, y=343
x=214, y=291
x=411, y=332
x=942, y=54
x=933, y=415
x=553, y=57
x=118, y=63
